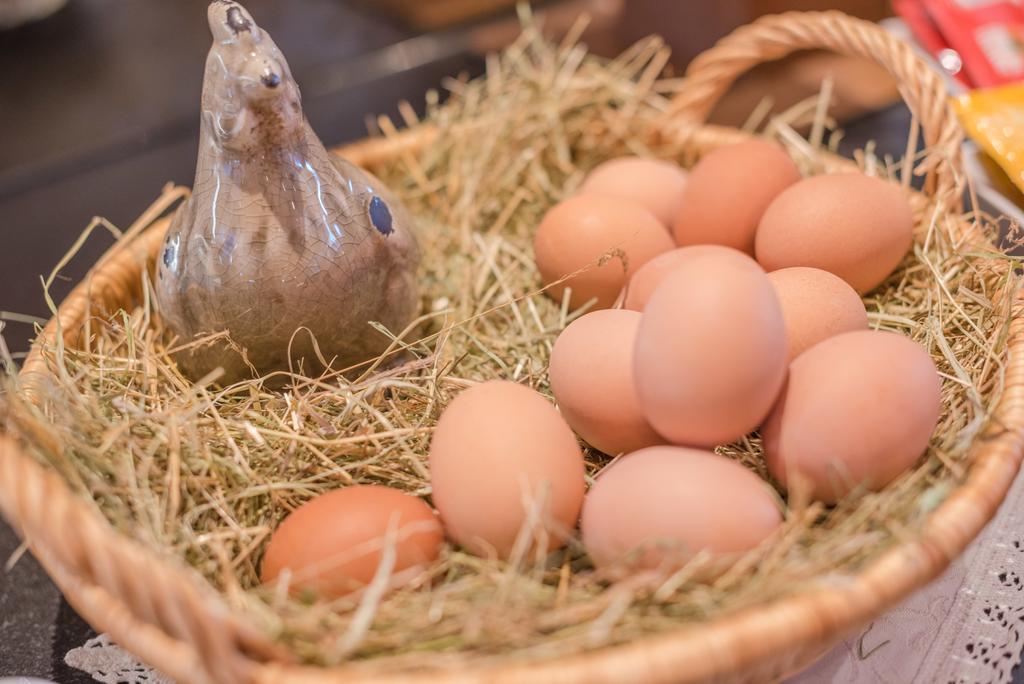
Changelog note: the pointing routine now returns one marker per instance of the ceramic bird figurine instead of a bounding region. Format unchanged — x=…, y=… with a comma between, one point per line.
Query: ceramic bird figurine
x=280, y=241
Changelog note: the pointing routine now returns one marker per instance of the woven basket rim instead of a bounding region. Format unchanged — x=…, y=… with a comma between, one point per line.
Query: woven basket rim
x=162, y=612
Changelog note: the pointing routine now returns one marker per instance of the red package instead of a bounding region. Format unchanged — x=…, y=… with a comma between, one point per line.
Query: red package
x=988, y=35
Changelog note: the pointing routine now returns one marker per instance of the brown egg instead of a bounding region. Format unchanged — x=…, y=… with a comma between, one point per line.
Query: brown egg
x=858, y=410
x=591, y=375
x=655, y=184
x=498, y=448
x=578, y=232
x=710, y=352
x=727, y=192
x=849, y=224
x=332, y=544
x=646, y=280
x=815, y=305
x=659, y=506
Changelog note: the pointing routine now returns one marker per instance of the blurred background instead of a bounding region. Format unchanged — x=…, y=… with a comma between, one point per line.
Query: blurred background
x=99, y=98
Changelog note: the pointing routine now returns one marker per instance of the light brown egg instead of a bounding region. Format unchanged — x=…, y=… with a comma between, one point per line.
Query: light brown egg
x=660, y=506
x=857, y=411
x=849, y=224
x=815, y=305
x=578, y=232
x=332, y=544
x=591, y=374
x=499, y=448
x=727, y=192
x=655, y=184
x=710, y=352
x=646, y=280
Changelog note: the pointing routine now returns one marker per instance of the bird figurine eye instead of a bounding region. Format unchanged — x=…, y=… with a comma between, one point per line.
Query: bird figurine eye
x=380, y=216
x=237, y=21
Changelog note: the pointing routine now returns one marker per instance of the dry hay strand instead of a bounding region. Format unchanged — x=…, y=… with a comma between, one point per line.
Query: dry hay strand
x=203, y=473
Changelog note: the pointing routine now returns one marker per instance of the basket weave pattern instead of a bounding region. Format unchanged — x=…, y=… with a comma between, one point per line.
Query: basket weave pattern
x=169, y=616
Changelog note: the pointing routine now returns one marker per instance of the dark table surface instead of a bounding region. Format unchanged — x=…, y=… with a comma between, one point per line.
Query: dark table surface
x=100, y=107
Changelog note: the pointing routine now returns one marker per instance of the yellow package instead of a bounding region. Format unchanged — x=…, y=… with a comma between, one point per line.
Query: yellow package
x=994, y=118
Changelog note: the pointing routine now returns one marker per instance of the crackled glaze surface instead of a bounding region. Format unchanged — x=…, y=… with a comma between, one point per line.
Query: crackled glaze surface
x=278, y=235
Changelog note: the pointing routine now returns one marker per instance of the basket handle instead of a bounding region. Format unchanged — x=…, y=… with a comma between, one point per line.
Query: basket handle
x=775, y=36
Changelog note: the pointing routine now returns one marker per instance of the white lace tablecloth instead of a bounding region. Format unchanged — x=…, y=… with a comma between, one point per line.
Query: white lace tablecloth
x=964, y=628
x=109, y=663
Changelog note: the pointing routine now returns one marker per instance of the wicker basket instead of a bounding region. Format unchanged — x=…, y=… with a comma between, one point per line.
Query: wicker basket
x=168, y=616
